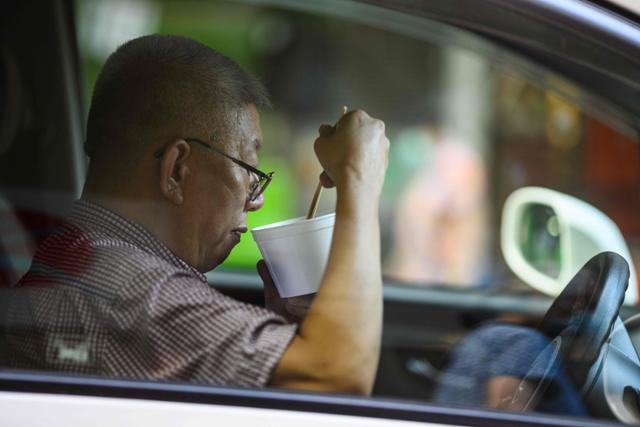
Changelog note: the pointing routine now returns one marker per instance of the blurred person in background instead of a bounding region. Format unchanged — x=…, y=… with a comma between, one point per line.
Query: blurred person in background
x=440, y=229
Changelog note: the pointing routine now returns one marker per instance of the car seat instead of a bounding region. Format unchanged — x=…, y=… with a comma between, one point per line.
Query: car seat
x=16, y=244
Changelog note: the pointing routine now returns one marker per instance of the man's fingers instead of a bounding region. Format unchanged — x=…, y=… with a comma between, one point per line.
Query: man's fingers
x=263, y=271
x=325, y=130
x=272, y=299
x=261, y=266
x=326, y=181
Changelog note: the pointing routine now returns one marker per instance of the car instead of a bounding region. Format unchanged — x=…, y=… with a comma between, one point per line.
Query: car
x=510, y=204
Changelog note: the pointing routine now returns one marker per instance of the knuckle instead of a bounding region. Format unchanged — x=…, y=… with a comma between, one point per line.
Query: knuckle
x=360, y=115
x=325, y=129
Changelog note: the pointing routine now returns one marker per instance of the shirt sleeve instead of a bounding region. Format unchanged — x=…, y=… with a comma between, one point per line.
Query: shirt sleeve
x=196, y=334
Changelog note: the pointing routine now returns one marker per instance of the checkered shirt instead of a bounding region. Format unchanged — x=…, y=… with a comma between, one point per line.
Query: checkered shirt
x=103, y=296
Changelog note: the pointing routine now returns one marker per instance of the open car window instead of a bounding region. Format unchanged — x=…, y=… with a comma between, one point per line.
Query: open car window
x=504, y=179
x=470, y=123
x=469, y=126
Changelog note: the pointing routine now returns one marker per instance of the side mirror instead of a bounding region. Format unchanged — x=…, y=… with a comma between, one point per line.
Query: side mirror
x=546, y=236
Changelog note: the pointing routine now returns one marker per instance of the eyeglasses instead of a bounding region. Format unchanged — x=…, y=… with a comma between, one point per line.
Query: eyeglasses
x=259, y=185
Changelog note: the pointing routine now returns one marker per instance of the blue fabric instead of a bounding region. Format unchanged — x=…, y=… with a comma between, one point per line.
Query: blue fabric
x=499, y=349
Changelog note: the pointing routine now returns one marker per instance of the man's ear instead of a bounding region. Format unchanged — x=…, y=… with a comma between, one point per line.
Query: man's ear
x=174, y=170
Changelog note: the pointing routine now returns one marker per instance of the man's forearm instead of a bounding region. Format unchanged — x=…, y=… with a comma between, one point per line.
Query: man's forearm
x=346, y=314
x=338, y=344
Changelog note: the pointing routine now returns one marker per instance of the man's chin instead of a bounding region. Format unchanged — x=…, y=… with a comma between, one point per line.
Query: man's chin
x=221, y=255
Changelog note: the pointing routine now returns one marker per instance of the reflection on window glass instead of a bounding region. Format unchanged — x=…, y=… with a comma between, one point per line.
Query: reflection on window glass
x=466, y=132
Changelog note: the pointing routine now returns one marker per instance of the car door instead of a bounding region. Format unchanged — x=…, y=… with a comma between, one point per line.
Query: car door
x=478, y=100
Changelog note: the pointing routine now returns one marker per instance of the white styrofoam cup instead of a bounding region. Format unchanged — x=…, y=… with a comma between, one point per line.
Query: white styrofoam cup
x=296, y=252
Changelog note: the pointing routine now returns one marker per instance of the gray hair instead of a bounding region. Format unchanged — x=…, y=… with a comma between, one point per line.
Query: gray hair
x=164, y=86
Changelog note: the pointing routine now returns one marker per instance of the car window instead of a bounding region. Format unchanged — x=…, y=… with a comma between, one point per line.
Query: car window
x=504, y=179
x=467, y=130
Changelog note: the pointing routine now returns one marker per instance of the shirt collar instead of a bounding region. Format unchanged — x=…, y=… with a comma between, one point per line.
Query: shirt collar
x=89, y=215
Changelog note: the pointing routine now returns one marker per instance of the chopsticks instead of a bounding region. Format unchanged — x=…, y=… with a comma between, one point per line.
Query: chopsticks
x=316, y=196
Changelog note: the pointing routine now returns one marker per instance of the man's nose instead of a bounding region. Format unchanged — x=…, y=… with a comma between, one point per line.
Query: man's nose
x=255, y=204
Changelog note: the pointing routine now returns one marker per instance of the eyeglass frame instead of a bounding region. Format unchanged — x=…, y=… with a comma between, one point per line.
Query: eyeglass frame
x=256, y=190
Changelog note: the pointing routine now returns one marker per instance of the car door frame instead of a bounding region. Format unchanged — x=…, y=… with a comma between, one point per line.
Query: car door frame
x=35, y=382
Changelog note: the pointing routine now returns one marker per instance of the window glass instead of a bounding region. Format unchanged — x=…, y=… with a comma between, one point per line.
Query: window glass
x=466, y=132
x=503, y=180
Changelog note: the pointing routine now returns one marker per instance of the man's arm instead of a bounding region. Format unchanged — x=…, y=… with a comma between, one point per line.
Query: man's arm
x=338, y=344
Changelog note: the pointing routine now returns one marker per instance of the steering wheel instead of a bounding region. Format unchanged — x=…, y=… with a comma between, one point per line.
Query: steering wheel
x=579, y=322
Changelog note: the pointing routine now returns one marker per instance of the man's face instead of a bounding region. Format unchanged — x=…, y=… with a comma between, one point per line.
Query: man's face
x=217, y=201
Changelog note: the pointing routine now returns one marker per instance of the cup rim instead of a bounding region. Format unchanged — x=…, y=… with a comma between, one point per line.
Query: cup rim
x=299, y=225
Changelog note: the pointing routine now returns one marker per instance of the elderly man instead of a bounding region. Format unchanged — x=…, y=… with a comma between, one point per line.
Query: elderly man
x=119, y=290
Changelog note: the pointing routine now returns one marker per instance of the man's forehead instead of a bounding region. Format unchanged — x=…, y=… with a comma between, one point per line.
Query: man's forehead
x=249, y=128
x=241, y=130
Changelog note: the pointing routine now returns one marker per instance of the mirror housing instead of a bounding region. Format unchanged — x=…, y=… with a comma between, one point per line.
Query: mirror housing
x=546, y=236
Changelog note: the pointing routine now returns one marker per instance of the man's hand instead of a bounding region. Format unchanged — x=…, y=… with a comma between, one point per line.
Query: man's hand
x=353, y=152
x=293, y=309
